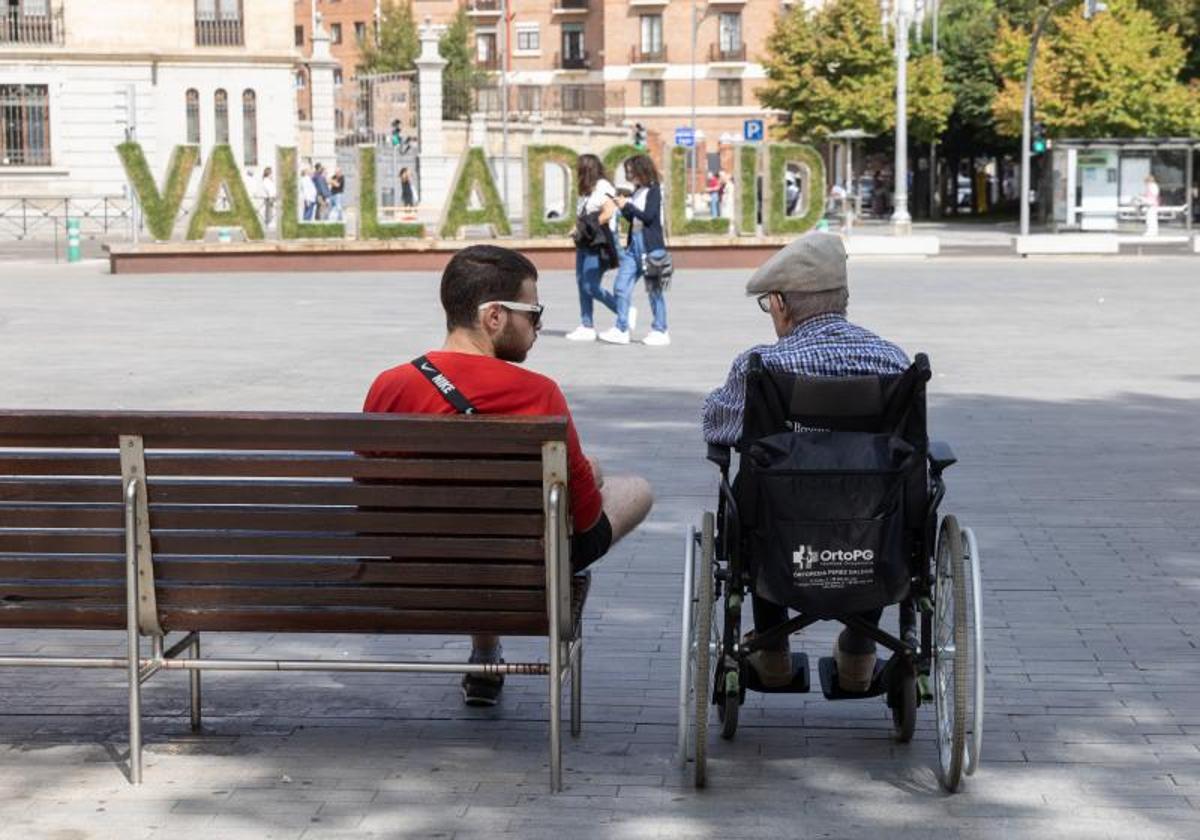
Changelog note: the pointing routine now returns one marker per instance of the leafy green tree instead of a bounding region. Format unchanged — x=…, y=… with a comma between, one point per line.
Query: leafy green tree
x=832, y=69
x=1184, y=15
x=397, y=46
x=461, y=77
x=1117, y=75
x=967, y=37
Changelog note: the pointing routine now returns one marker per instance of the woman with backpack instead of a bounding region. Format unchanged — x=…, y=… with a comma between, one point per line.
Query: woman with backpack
x=645, y=253
x=595, y=244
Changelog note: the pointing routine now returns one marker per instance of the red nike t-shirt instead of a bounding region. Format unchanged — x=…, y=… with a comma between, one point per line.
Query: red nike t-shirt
x=493, y=387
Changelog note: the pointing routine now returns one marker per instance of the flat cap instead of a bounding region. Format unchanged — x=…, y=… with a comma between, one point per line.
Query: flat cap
x=815, y=262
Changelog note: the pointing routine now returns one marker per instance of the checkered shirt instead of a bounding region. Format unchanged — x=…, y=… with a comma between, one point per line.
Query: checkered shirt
x=827, y=345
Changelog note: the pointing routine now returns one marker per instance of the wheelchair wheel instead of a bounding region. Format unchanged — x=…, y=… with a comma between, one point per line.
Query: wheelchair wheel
x=975, y=623
x=950, y=653
x=727, y=710
x=904, y=712
x=702, y=688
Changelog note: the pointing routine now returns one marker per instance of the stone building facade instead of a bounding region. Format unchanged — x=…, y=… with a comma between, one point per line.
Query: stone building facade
x=77, y=77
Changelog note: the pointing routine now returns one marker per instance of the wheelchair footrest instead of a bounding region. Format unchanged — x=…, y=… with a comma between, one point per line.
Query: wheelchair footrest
x=827, y=668
x=800, y=683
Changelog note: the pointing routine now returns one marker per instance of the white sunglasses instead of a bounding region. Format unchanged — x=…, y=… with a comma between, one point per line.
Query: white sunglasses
x=535, y=308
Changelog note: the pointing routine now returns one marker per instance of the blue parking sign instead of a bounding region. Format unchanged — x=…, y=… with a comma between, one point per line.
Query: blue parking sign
x=685, y=137
x=752, y=130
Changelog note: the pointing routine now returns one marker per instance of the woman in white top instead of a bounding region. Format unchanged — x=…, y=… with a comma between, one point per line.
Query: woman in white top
x=595, y=196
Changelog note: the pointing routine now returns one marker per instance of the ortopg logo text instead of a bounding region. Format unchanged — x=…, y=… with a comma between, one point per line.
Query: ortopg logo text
x=807, y=556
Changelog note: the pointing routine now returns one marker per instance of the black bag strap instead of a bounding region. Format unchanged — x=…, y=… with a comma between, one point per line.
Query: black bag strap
x=444, y=386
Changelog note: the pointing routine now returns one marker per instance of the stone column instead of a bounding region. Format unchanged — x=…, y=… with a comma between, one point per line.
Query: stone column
x=320, y=80
x=435, y=169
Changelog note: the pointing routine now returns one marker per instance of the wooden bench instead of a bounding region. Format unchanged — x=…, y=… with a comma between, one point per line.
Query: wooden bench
x=162, y=523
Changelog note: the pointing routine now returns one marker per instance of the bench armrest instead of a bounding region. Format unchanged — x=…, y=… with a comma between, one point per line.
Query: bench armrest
x=720, y=454
x=940, y=456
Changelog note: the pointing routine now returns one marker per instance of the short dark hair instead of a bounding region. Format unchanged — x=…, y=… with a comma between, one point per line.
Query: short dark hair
x=478, y=274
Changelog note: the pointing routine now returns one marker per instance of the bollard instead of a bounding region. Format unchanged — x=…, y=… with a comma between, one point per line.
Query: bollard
x=73, y=255
x=223, y=236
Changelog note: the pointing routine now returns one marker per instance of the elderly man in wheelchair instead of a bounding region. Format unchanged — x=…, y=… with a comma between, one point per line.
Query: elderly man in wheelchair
x=831, y=514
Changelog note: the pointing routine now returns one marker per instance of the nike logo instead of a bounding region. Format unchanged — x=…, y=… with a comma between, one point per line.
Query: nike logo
x=427, y=367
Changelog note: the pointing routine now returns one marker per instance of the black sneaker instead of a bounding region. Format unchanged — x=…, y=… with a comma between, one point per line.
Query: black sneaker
x=483, y=689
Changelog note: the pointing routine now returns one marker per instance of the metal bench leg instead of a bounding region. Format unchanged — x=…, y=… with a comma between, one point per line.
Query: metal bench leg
x=556, y=675
x=577, y=690
x=194, y=679
x=134, y=643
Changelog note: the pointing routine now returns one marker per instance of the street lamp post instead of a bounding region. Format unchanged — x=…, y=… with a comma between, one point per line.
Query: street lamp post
x=901, y=219
x=934, y=194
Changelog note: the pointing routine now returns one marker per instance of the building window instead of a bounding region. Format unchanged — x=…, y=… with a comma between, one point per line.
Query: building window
x=24, y=125
x=299, y=36
x=572, y=35
x=301, y=80
x=219, y=23
x=221, y=117
x=250, y=128
x=652, y=34
x=574, y=98
x=486, y=54
x=30, y=22
x=529, y=99
x=193, y=116
x=360, y=32
x=335, y=33
x=730, y=31
x=528, y=40
x=337, y=77
x=729, y=91
x=652, y=93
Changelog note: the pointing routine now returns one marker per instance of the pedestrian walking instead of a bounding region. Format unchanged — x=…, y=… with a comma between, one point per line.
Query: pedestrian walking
x=308, y=194
x=337, y=189
x=407, y=196
x=1150, y=200
x=267, y=193
x=646, y=243
x=595, y=244
x=714, y=195
x=324, y=195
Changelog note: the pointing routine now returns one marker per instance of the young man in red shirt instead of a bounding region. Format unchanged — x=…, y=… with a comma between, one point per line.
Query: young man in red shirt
x=492, y=319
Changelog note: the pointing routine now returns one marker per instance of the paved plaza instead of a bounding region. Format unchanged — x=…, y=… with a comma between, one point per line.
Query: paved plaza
x=1070, y=390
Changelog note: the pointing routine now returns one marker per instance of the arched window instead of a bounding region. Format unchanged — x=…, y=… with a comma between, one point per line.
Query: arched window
x=249, y=127
x=193, y=116
x=221, y=118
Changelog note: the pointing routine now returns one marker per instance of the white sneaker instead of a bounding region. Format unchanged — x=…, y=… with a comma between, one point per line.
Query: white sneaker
x=657, y=339
x=582, y=333
x=632, y=318
x=614, y=336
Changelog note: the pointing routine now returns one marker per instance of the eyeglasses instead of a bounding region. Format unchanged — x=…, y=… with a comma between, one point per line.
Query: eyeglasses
x=764, y=301
x=535, y=310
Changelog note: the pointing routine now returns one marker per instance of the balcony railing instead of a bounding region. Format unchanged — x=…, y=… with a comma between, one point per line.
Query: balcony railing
x=226, y=32
x=570, y=5
x=637, y=55
x=17, y=27
x=718, y=53
x=491, y=63
x=573, y=61
x=569, y=103
x=484, y=7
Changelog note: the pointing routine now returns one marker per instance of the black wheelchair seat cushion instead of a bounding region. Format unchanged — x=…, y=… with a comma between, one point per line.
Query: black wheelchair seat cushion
x=825, y=511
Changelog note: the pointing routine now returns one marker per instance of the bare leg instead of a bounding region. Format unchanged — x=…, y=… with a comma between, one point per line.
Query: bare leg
x=627, y=501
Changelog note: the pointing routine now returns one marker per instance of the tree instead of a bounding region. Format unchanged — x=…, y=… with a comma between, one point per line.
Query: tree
x=833, y=69
x=397, y=46
x=461, y=77
x=1117, y=75
x=1184, y=15
x=967, y=33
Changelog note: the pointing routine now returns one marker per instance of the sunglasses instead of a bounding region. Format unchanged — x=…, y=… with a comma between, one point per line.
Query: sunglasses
x=534, y=310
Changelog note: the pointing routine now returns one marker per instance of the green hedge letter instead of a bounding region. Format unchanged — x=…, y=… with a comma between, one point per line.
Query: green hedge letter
x=159, y=209
x=680, y=224
x=537, y=159
x=473, y=173
x=221, y=172
x=746, y=178
x=290, y=226
x=369, y=226
x=805, y=164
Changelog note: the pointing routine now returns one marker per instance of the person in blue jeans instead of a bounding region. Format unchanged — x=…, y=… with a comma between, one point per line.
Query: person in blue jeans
x=644, y=211
x=596, y=195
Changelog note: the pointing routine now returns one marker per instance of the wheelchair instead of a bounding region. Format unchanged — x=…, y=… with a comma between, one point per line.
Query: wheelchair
x=833, y=513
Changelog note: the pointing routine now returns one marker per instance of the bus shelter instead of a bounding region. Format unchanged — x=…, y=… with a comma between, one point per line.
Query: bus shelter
x=1099, y=184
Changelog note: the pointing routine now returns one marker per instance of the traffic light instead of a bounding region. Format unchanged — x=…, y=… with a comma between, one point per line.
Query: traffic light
x=1038, y=141
x=396, y=136
x=639, y=135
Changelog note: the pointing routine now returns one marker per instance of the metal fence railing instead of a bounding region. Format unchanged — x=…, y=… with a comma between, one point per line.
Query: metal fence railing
x=18, y=26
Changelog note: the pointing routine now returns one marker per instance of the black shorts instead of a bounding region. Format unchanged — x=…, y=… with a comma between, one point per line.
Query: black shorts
x=589, y=546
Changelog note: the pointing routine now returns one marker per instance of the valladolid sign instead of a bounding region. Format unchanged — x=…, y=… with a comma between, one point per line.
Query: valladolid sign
x=784, y=170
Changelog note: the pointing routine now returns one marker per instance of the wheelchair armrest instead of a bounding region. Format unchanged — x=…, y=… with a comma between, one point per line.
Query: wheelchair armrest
x=940, y=456
x=720, y=454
